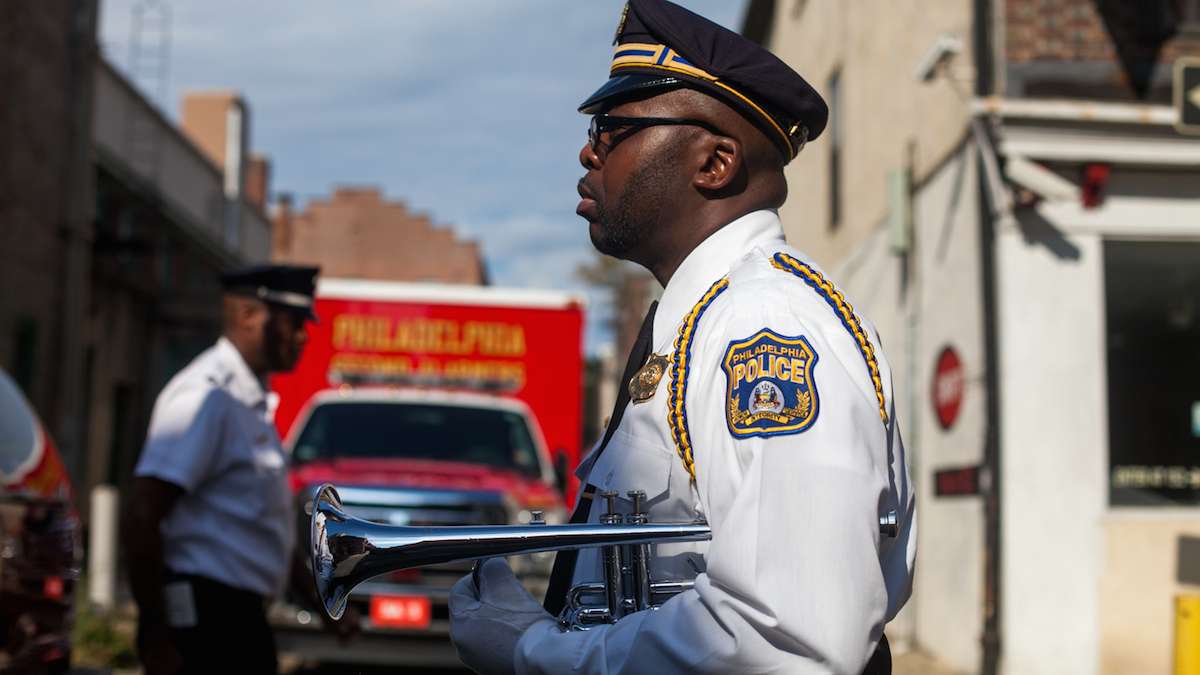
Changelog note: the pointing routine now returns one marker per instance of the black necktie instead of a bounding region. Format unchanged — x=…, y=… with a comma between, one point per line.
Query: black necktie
x=564, y=562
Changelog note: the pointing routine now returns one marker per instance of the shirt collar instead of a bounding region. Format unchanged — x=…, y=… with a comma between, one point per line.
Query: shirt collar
x=244, y=385
x=707, y=263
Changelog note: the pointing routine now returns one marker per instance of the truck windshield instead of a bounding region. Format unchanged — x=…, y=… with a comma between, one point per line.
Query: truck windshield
x=497, y=438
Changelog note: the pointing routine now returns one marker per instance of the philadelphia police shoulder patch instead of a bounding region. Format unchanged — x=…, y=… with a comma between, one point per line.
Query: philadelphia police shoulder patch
x=769, y=385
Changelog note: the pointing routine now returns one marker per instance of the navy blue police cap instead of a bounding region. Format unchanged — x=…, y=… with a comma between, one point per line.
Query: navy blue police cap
x=289, y=286
x=661, y=46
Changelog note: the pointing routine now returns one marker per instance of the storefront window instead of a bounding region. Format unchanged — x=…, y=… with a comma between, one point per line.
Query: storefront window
x=1153, y=319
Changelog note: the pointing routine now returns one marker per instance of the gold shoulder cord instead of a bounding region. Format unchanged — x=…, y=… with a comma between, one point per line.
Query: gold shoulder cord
x=844, y=311
x=680, y=363
x=681, y=360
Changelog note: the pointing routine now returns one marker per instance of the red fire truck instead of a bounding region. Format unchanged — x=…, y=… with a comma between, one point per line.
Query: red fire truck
x=430, y=405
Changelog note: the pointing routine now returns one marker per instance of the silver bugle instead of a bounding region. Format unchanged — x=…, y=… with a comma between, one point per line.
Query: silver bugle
x=347, y=551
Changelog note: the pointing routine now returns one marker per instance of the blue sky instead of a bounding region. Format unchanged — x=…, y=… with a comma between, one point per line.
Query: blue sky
x=463, y=109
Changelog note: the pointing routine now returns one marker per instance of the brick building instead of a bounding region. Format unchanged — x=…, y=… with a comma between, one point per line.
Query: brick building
x=174, y=206
x=1002, y=182
x=114, y=226
x=45, y=196
x=358, y=234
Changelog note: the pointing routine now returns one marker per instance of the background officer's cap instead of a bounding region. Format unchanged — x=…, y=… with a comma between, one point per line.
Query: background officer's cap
x=290, y=286
x=662, y=46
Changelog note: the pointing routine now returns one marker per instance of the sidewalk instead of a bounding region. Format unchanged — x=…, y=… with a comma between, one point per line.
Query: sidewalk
x=916, y=662
x=908, y=663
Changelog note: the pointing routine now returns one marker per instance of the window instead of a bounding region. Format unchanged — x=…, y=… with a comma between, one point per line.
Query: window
x=1191, y=12
x=835, y=149
x=386, y=430
x=25, y=340
x=122, y=448
x=1153, y=330
x=1189, y=17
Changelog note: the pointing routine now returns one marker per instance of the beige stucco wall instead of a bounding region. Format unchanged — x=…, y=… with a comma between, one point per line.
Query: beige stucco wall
x=1085, y=588
x=877, y=46
x=1138, y=588
x=940, y=308
x=949, y=596
x=890, y=121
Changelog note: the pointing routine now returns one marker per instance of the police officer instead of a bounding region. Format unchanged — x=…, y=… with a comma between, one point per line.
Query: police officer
x=209, y=529
x=774, y=420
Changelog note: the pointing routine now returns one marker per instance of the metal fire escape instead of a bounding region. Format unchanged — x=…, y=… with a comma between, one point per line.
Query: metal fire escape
x=149, y=69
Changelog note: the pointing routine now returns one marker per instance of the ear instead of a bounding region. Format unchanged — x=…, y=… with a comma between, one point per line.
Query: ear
x=721, y=165
x=253, y=312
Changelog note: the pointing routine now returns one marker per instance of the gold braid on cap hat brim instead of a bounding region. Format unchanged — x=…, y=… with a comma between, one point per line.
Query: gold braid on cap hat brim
x=662, y=57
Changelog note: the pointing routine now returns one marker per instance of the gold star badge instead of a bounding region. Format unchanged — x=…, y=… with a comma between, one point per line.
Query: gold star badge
x=644, y=382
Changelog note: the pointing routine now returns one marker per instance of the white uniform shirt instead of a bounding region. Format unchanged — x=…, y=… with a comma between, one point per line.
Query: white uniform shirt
x=797, y=578
x=211, y=434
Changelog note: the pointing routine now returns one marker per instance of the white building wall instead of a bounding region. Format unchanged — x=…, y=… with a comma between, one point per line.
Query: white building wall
x=950, y=595
x=1086, y=588
x=1054, y=446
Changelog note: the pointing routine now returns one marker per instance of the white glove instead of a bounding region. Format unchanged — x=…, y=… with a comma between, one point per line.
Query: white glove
x=487, y=622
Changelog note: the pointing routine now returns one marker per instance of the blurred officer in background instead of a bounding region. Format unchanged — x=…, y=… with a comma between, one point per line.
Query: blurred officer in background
x=756, y=397
x=209, y=527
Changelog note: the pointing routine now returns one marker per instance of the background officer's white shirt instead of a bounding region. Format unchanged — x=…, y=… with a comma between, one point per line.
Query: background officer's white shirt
x=211, y=434
x=797, y=578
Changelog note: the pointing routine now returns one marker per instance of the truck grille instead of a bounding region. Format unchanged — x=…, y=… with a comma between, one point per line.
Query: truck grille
x=424, y=507
x=419, y=507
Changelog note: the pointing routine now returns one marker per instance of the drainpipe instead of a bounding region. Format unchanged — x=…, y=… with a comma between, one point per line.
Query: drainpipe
x=988, y=210
x=992, y=493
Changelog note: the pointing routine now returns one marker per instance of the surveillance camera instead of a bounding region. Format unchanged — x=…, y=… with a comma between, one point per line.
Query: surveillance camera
x=943, y=49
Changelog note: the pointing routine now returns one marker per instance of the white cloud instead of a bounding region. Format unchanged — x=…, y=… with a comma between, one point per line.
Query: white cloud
x=464, y=109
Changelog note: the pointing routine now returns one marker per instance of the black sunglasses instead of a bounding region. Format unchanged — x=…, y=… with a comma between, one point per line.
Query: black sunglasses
x=604, y=123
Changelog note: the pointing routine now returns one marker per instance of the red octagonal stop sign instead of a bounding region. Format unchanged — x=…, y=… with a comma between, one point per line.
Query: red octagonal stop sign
x=948, y=387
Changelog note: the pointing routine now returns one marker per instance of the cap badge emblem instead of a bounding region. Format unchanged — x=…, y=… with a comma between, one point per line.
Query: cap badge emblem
x=621, y=23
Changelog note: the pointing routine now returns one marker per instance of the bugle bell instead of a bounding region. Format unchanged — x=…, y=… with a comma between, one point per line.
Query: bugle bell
x=347, y=551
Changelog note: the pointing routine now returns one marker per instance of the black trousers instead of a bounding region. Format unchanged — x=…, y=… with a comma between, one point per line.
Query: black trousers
x=231, y=631
x=881, y=660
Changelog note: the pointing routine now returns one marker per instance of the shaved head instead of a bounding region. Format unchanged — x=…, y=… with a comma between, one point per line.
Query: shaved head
x=270, y=338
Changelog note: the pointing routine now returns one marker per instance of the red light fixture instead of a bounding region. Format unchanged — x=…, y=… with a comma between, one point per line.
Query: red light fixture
x=52, y=588
x=1095, y=184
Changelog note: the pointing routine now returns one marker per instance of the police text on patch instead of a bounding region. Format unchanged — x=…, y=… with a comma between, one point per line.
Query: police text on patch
x=769, y=385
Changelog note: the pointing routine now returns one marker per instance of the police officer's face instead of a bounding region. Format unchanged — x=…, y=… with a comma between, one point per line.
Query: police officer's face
x=631, y=179
x=284, y=337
